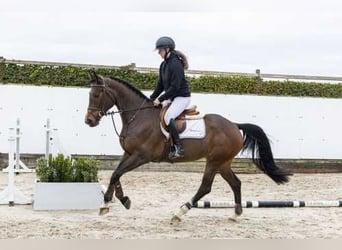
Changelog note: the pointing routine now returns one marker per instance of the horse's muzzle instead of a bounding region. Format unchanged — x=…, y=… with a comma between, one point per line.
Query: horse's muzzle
x=91, y=122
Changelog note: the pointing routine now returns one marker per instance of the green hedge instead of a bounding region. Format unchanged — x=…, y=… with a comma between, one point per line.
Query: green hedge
x=65, y=169
x=75, y=76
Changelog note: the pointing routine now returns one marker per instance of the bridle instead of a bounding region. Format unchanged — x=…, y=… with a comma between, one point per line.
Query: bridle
x=102, y=112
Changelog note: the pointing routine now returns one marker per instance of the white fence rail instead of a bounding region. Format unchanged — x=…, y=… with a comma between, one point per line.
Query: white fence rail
x=333, y=79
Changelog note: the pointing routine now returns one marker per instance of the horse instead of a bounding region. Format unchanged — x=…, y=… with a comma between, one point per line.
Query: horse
x=142, y=141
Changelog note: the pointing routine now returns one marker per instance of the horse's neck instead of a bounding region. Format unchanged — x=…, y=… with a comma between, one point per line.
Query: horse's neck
x=129, y=103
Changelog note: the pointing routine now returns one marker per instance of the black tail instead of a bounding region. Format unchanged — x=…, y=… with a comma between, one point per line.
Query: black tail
x=256, y=141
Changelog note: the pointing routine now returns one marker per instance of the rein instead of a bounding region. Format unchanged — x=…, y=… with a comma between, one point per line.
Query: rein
x=112, y=113
x=128, y=110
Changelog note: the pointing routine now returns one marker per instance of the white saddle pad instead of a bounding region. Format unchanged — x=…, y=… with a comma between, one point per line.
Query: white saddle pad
x=195, y=129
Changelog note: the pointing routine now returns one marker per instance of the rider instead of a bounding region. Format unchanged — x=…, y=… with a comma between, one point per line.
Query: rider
x=172, y=81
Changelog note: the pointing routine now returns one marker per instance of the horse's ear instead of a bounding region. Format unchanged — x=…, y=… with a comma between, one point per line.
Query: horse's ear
x=93, y=76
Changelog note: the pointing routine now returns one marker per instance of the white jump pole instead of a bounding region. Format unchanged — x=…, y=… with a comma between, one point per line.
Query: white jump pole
x=11, y=194
x=269, y=204
x=20, y=167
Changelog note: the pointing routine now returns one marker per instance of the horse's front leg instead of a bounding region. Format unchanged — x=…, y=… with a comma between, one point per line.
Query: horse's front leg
x=120, y=195
x=108, y=196
x=128, y=163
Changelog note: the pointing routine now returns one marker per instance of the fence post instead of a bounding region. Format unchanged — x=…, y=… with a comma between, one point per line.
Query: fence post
x=48, y=139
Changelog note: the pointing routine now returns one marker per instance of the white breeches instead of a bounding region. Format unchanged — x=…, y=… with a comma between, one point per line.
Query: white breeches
x=176, y=108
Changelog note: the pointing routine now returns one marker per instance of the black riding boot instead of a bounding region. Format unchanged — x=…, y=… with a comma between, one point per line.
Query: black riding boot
x=179, y=151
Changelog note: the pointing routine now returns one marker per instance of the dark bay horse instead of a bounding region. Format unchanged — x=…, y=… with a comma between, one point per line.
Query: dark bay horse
x=143, y=142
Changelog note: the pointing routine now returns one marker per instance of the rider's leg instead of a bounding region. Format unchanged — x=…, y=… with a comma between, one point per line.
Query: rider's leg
x=176, y=108
x=179, y=151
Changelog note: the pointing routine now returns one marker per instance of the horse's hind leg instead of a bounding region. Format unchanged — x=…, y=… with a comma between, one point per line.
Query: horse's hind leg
x=235, y=184
x=205, y=188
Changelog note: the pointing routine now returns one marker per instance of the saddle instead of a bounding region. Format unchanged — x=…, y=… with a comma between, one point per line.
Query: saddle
x=188, y=114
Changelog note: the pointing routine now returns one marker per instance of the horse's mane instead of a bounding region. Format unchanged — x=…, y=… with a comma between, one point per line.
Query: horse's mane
x=131, y=87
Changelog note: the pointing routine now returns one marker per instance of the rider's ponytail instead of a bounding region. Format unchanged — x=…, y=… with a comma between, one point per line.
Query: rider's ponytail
x=183, y=58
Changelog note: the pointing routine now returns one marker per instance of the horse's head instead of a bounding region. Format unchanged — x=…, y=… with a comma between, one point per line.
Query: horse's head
x=100, y=101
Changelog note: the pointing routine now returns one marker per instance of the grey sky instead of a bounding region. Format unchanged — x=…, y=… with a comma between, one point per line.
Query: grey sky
x=293, y=37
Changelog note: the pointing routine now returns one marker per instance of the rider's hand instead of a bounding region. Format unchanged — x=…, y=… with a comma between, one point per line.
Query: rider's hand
x=156, y=102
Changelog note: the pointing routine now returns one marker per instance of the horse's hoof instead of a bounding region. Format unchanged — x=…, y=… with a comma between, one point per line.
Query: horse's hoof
x=238, y=209
x=126, y=202
x=108, y=198
x=175, y=220
x=233, y=218
x=104, y=210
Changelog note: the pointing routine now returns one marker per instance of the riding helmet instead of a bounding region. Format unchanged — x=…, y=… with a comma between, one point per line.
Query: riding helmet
x=165, y=42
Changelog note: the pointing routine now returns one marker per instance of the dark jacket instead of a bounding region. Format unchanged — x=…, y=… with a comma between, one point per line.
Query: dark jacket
x=171, y=80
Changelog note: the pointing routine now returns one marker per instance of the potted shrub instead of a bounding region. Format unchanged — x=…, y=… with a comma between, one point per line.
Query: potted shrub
x=65, y=183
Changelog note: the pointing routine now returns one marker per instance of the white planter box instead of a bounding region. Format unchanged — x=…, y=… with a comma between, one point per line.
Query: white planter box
x=63, y=196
